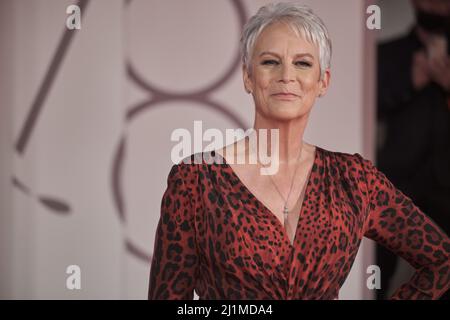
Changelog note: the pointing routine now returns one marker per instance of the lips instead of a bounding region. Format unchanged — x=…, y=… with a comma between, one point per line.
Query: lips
x=285, y=96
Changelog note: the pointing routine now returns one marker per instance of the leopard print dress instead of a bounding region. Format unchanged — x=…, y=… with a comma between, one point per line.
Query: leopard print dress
x=215, y=237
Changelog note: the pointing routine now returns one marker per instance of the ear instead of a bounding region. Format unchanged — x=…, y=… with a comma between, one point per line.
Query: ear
x=324, y=82
x=246, y=78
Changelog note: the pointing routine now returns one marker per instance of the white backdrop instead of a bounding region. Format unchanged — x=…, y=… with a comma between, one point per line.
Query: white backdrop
x=82, y=177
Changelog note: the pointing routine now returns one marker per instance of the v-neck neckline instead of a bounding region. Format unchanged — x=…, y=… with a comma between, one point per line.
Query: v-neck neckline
x=273, y=216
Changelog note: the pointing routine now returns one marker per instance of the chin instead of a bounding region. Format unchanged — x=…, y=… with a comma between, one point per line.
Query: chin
x=284, y=116
x=286, y=112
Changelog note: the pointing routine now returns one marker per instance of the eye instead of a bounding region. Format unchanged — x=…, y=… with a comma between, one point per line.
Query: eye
x=269, y=62
x=303, y=64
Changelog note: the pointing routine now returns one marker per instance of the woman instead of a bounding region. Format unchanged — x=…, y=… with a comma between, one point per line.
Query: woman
x=230, y=232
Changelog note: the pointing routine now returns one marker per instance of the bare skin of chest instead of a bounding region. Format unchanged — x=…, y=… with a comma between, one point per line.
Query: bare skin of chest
x=264, y=190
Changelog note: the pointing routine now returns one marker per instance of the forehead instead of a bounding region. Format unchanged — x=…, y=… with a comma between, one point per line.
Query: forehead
x=279, y=37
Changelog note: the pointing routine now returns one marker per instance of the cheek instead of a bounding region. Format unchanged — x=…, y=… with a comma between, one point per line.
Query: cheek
x=262, y=85
x=310, y=85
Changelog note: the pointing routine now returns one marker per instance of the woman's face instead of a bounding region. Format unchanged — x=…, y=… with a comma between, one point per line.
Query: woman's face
x=283, y=62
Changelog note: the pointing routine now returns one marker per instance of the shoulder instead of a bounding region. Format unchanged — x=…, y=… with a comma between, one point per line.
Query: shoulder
x=189, y=168
x=353, y=160
x=352, y=166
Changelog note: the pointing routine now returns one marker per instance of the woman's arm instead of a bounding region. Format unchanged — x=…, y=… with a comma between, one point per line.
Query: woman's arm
x=175, y=260
x=395, y=222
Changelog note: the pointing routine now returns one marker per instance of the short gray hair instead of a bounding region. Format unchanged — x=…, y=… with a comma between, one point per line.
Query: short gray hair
x=300, y=18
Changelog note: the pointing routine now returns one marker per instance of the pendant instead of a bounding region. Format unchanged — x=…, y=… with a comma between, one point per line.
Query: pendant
x=285, y=211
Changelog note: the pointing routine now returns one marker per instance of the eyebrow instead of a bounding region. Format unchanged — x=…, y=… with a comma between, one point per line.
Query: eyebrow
x=297, y=55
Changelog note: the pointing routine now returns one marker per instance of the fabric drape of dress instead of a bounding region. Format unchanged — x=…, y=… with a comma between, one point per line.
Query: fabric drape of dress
x=215, y=237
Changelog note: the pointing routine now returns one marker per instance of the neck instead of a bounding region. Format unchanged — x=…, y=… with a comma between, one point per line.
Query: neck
x=290, y=138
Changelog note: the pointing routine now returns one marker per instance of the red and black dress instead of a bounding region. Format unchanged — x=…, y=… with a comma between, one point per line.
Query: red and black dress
x=215, y=237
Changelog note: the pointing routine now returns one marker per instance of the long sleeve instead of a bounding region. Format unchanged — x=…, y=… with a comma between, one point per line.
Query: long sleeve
x=395, y=222
x=175, y=261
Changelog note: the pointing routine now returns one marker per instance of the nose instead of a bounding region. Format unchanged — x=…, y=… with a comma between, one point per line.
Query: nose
x=287, y=74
